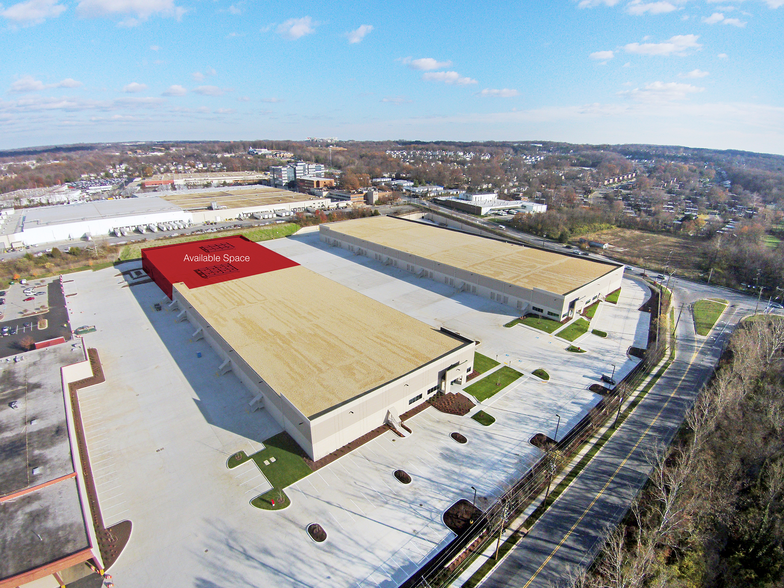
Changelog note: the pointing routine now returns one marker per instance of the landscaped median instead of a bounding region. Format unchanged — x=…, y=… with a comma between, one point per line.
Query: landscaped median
x=492, y=384
x=281, y=461
x=539, y=322
x=706, y=313
x=574, y=330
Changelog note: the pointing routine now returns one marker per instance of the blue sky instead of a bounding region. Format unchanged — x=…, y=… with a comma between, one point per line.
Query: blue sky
x=699, y=73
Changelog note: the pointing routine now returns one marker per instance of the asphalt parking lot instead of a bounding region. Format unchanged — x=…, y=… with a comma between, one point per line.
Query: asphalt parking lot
x=22, y=318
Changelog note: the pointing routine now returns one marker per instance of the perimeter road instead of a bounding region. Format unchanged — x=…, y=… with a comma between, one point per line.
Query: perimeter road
x=571, y=532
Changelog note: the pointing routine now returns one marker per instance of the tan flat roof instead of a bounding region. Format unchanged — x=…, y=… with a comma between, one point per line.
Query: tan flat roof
x=233, y=198
x=314, y=341
x=514, y=264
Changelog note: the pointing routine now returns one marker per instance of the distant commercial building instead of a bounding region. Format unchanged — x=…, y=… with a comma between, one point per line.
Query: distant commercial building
x=49, y=224
x=282, y=175
x=527, y=279
x=482, y=204
x=307, y=183
x=204, y=180
x=329, y=364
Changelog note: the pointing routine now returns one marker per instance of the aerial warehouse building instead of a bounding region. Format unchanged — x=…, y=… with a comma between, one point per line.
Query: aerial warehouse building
x=528, y=279
x=329, y=364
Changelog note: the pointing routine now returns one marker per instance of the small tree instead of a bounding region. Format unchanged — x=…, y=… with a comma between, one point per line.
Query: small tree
x=27, y=343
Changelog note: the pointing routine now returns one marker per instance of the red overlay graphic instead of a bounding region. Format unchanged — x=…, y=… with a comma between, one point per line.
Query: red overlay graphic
x=201, y=263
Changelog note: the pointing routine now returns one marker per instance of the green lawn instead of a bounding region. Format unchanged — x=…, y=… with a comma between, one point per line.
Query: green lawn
x=482, y=363
x=599, y=333
x=512, y=323
x=771, y=241
x=575, y=349
x=486, y=387
x=541, y=374
x=256, y=234
x=541, y=323
x=483, y=418
x=706, y=313
x=613, y=296
x=577, y=328
x=591, y=310
x=284, y=467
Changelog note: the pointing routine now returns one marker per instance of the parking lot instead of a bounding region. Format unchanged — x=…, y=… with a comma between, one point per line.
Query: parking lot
x=40, y=313
x=163, y=424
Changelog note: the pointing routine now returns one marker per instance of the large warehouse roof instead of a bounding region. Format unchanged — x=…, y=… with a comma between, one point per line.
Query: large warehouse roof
x=233, y=197
x=514, y=264
x=200, y=263
x=313, y=340
x=97, y=209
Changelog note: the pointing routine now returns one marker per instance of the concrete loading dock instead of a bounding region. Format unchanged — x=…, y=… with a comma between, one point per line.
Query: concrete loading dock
x=530, y=280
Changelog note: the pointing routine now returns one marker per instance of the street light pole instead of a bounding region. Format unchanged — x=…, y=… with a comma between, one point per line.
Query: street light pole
x=613, y=372
x=473, y=503
x=556, y=427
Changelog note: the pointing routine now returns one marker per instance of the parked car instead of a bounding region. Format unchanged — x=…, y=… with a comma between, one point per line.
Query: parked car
x=5, y=331
x=2, y=301
x=29, y=298
x=40, y=293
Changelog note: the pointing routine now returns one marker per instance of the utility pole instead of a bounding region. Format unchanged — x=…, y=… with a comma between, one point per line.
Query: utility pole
x=675, y=328
x=500, y=530
x=760, y=292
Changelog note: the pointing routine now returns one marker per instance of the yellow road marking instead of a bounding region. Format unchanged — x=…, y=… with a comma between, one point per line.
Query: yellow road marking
x=612, y=477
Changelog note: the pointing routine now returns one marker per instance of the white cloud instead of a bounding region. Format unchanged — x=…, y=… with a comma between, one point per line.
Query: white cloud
x=243, y=99
x=396, y=100
x=175, y=90
x=722, y=56
x=638, y=7
x=272, y=100
x=138, y=10
x=296, y=28
x=694, y=74
x=197, y=76
x=448, y=77
x=134, y=87
x=677, y=45
x=235, y=9
x=502, y=93
x=210, y=91
x=426, y=63
x=154, y=48
x=225, y=111
x=594, y=3
x=662, y=92
x=357, y=35
x=210, y=71
x=735, y=22
x=602, y=55
x=718, y=17
x=32, y=11
x=30, y=84
x=713, y=18
x=774, y=3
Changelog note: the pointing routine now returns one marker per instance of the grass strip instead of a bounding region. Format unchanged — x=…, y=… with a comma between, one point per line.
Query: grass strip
x=134, y=250
x=612, y=297
x=589, y=311
x=512, y=323
x=576, y=329
x=599, y=333
x=541, y=374
x=482, y=363
x=543, y=324
x=483, y=418
x=514, y=538
x=575, y=349
x=706, y=313
x=487, y=387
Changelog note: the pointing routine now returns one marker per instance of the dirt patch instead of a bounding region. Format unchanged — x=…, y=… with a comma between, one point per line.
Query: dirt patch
x=651, y=250
x=402, y=477
x=459, y=438
x=317, y=533
x=543, y=442
x=452, y=403
x=461, y=515
x=599, y=389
